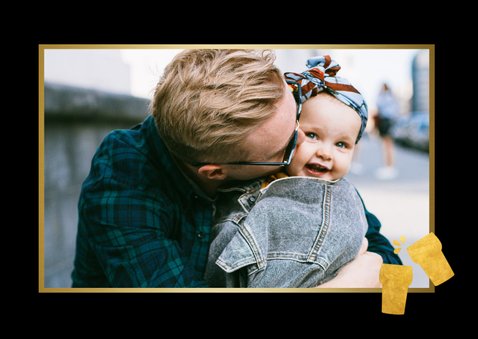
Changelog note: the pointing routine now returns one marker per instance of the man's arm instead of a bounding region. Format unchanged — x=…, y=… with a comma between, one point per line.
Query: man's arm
x=377, y=243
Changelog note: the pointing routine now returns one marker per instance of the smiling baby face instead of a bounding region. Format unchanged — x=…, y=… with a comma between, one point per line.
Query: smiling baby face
x=331, y=129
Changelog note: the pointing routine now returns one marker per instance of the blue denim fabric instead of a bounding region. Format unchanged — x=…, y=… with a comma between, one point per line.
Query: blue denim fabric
x=297, y=232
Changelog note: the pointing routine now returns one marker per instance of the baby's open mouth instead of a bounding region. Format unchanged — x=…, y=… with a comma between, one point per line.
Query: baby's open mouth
x=317, y=168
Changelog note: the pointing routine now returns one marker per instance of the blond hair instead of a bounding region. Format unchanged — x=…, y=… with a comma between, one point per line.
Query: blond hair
x=208, y=100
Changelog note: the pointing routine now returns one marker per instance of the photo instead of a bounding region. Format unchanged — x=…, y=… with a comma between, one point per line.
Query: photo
x=286, y=167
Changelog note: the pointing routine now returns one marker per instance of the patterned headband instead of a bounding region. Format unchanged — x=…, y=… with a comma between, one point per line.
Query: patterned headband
x=321, y=77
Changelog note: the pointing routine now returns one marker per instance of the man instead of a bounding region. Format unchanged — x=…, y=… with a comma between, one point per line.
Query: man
x=147, y=206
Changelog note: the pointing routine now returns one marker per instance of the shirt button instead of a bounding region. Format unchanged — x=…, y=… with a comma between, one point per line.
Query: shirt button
x=195, y=196
x=200, y=235
x=252, y=199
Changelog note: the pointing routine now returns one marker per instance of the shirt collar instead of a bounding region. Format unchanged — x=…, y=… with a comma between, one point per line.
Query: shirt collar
x=243, y=186
x=196, y=189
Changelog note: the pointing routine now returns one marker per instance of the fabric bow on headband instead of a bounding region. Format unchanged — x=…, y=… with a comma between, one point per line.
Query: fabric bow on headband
x=321, y=76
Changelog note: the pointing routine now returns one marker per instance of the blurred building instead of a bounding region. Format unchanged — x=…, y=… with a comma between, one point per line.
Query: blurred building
x=76, y=121
x=88, y=68
x=421, y=82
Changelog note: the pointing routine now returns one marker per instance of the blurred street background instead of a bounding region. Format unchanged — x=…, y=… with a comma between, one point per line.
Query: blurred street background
x=89, y=92
x=401, y=204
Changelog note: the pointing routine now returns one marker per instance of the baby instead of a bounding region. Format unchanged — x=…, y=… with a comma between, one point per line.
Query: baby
x=297, y=229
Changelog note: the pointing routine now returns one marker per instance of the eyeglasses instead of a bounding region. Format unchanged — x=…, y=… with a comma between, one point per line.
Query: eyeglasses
x=291, y=146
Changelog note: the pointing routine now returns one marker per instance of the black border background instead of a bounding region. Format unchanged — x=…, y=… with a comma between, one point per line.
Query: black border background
x=250, y=307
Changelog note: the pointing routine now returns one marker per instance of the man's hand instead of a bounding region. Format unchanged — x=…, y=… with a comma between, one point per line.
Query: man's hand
x=362, y=272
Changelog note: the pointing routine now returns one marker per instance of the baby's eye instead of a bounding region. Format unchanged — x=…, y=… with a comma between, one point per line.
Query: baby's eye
x=341, y=144
x=311, y=135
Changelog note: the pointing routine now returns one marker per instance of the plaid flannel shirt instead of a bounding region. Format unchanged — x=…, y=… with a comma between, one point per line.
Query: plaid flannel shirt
x=141, y=222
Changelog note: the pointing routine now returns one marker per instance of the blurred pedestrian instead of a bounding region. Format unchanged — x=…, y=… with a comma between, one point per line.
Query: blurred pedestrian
x=387, y=114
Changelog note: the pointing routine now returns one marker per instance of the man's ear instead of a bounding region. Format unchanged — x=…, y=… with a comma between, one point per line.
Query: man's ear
x=212, y=172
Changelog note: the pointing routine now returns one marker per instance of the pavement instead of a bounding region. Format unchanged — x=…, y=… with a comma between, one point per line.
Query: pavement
x=402, y=204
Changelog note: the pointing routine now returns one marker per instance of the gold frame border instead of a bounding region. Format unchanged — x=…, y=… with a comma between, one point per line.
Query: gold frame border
x=41, y=157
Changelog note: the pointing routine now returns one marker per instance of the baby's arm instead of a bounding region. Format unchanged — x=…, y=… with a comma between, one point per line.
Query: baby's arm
x=377, y=242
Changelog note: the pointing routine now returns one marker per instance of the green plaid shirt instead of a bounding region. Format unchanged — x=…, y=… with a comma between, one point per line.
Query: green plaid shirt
x=141, y=222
